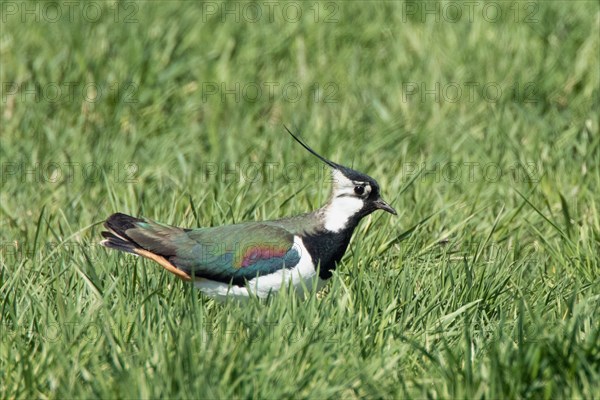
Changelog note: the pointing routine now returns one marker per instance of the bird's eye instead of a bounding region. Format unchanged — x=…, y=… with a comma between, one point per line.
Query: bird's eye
x=359, y=190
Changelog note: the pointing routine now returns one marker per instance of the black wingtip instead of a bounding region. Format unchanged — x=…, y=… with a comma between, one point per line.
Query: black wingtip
x=116, y=236
x=114, y=242
x=120, y=222
x=314, y=153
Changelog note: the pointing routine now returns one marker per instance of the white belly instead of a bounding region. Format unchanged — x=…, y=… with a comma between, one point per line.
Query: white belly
x=302, y=277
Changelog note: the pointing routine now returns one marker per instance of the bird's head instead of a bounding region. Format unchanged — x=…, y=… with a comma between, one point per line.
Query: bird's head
x=353, y=196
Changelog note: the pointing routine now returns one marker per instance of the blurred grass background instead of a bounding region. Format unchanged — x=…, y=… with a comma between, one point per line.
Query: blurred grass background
x=480, y=122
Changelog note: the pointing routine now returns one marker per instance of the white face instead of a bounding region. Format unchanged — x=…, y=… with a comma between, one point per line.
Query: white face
x=346, y=200
x=344, y=187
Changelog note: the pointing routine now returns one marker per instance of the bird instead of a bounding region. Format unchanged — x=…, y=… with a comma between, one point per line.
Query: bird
x=257, y=258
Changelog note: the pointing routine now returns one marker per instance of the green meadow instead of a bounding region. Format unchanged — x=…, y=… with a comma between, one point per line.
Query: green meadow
x=479, y=120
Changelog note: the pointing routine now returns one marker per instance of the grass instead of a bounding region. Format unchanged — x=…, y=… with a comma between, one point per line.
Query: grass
x=485, y=286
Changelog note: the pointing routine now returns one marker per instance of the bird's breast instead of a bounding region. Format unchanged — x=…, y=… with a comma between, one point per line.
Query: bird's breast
x=327, y=249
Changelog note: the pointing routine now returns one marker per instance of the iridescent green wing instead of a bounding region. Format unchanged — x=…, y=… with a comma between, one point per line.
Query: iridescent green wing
x=233, y=253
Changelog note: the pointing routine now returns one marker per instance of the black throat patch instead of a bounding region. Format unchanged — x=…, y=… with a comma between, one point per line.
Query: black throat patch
x=327, y=248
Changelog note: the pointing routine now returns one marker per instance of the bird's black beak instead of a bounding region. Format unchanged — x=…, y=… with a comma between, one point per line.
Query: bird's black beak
x=382, y=205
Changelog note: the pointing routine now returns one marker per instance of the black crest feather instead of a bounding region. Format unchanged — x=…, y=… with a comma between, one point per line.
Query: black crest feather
x=348, y=172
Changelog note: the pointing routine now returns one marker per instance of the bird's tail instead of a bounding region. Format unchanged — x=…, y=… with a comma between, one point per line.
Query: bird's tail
x=149, y=241
x=116, y=235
